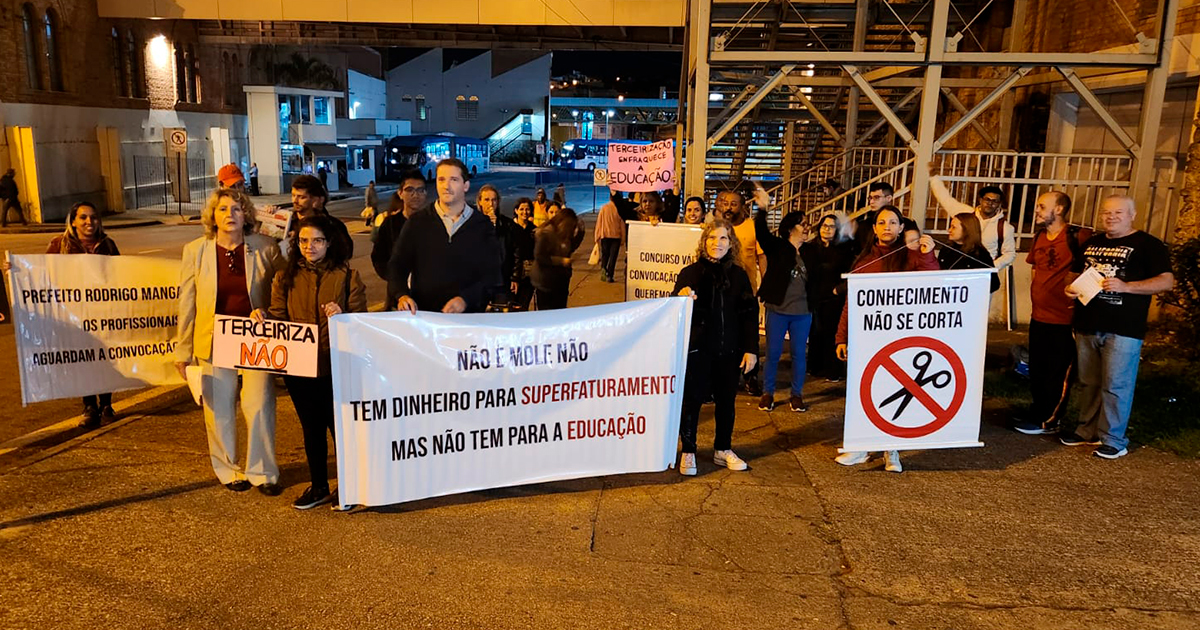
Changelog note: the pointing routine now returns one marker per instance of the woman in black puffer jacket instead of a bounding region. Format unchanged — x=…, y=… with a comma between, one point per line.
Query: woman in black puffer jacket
x=724, y=339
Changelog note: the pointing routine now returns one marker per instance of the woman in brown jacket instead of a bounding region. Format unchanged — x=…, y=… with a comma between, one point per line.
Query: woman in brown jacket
x=316, y=285
x=85, y=235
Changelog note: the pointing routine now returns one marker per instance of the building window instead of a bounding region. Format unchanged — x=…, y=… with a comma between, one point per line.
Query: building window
x=29, y=29
x=193, y=75
x=305, y=109
x=321, y=110
x=422, y=114
x=466, y=108
x=50, y=22
x=120, y=75
x=227, y=74
x=181, y=67
x=133, y=51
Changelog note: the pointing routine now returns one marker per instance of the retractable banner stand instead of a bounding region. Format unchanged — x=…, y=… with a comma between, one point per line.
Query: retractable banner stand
x=434, y=404
x=93, y=324
x=915, y=373
x=654, y=256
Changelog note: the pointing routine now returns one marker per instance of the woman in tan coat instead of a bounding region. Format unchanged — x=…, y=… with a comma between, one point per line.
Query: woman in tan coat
x=228, y=271
x=317, y=284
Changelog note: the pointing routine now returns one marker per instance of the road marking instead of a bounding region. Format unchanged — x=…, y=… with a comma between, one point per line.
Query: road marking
x=71, y=423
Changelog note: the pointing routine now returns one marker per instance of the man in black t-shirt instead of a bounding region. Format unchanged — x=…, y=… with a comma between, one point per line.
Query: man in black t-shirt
x=1109, y=329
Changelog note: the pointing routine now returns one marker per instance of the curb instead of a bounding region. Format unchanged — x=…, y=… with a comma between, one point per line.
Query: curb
x=150, y=399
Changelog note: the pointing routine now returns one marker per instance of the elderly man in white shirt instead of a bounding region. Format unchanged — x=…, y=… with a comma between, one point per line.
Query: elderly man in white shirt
x=990, y=211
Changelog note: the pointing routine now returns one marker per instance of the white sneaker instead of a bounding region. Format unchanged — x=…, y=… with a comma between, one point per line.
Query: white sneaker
x=687, y=464
x=852, y=458
x=892, y=459
x=729, y=459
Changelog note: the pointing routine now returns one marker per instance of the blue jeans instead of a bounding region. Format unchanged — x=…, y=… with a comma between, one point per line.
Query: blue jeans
x=796, y=327
x=1108, y=366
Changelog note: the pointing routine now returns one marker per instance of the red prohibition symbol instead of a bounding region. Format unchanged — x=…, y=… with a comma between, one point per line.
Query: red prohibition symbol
x=911, y=388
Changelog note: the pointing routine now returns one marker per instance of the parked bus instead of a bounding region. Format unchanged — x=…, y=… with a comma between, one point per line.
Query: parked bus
x=424, y=152
x=585, y=155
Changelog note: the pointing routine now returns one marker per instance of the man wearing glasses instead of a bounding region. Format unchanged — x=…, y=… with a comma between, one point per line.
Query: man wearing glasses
x=999, y=236
x=412, y=194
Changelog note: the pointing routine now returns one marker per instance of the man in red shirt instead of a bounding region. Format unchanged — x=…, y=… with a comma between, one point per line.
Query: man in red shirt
x=1056, y=245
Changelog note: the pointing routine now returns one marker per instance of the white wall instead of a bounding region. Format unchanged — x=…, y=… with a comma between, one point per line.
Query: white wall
x=500, y=98
x=263, y=108
x=68, y=154
x=369, y=93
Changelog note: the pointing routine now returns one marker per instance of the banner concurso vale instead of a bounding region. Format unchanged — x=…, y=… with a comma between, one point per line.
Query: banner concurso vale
x=434, y=404
x=93, y=324
x=654, y=256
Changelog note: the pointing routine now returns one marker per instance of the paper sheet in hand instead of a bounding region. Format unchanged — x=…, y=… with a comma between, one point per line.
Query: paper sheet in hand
x=194, y=373
x=1088, y=284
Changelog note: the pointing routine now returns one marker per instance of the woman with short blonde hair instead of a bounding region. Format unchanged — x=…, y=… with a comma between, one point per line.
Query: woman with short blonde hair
x=228, y=271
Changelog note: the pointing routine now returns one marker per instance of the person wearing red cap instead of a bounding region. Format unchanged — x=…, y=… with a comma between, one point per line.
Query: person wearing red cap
x=230, y=176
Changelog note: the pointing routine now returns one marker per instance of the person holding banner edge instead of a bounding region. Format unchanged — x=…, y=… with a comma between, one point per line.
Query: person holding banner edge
x=723, y=340
x=313, y=287
x=85, y=235
x=885, y=252
x=228, y=271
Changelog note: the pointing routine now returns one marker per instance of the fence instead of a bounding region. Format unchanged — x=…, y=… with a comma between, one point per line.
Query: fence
x=1086, y=178
x=153, y=188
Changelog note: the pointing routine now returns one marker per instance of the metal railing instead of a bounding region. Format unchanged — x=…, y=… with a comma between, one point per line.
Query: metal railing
x=800, y=192
x=1087, y=178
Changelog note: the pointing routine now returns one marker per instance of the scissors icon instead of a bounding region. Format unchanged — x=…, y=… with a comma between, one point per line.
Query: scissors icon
x=921, y=362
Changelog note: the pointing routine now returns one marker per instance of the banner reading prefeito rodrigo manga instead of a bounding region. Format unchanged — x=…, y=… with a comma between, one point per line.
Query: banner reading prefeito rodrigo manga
x=93, y=324
x=641, y=166
x=654, y=255
x=433, y=404
x=916, y=344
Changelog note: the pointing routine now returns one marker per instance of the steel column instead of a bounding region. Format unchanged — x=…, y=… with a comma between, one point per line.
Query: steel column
x=1152, y=100
x=936, y=50
x=862, y=9
x=697, y=148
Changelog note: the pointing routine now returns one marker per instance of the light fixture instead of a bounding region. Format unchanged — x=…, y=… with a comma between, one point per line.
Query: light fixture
x=575, y=113
x=610, y=113
x=620, y=98
x=716, y=96
x=160, y=51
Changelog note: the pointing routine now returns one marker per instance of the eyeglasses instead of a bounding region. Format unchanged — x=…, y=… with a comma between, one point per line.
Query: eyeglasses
x=410, y=190
x=995, y=201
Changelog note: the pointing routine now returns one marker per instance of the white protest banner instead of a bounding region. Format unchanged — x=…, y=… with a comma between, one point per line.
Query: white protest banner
x=641, y=166
x=654, y=255
x=272, y=346
x=273, y=221
x=915, y=372
x=93, y=324
x=434, y=404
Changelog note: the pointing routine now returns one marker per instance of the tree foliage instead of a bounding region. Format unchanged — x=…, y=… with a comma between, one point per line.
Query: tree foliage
x=307, y=72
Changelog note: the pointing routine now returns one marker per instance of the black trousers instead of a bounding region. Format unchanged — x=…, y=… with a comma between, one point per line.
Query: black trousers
x=718, y=374
x=99, y=401
x=1051, y=370
x=524, y=293
x=313, y=399
x=552, y=300
x=609, y=248
x=822, y=349
x=14, y=204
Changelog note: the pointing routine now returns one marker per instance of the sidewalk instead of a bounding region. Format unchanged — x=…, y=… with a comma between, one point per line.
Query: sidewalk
x=125, y=527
